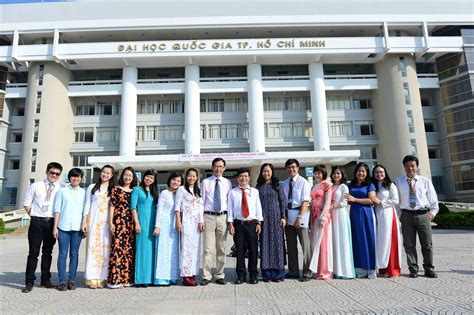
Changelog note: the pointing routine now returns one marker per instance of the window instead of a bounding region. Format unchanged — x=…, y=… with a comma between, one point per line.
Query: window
x=36, y=131
x=285, y=130
x=411, y=123
x=34, y=153
x=402, y=66
x=433, y=153
x=10, y=196
x=365, y=128
x=38, y=102
x=367, y=153
x=203, y=132
x=413, y=147
x=361, y=103
x=438, y=183
x=406, y=93
x=85, y=110
x=160, y=106
x=340, y=128
x=79, y=160
x=430, y=126
x=107, y=109
x=228, y=104
x=2, y=104
x=283, y=103
x=14, y=164
x=225, y=131
x=140, y=134
x=170, y=132
x=308, y=129
x=339, y=102
x=107, y=134
x=16, y=136
x=40, y=74
x=84, y=135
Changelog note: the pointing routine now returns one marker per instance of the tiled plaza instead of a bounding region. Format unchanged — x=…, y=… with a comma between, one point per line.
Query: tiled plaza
x=452, y=292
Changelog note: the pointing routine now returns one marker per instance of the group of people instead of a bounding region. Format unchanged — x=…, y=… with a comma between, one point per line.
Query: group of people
x=137, y=237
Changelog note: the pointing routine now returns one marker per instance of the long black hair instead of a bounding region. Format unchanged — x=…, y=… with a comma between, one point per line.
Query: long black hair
x=343, y=174
x=153, y=188
x=367, y=181
x=173, y=176
x=134, y=182
x=111, y=181
x=275, y=182
x=386, y=181
x=196, y=190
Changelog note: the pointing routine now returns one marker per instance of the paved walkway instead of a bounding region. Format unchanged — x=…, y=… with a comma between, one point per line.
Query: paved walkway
x=452, y=292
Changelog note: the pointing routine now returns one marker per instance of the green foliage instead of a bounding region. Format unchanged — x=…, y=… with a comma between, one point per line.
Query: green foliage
x=455, y=219
x=442, y=209
x=2, y=226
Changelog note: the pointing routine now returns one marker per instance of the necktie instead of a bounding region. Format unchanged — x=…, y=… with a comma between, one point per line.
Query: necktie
x=245, y=204
x=290, y=194
x=217, y=197
x=47, y=200
x=412, y=185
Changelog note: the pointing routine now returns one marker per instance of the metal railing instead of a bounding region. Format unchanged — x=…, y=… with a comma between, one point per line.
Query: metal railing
x=96, y=82
x=349, y=76
x=285, y=77
x=222, y=79
x=162, y=80
x=17, y=85
x=427, y=75
x=458, y=206
x=14, y=215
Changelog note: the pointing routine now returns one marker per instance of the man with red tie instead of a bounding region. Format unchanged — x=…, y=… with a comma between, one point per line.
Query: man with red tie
x=245, y=219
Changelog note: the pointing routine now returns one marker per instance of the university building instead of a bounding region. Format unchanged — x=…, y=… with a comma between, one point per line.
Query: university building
x=173, y=84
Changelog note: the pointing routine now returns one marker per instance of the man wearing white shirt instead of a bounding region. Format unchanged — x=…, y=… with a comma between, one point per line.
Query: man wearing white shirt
x=419, y=206
x=245, y=218
x=214, y=190
x=38, y=204
x=297, y=193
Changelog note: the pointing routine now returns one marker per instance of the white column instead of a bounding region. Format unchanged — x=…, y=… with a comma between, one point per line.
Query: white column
x=318, y=107
x=255, y=110
x=128, y=111
x=192, y=118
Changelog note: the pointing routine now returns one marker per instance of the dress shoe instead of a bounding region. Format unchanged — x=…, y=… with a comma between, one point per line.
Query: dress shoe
x=28, y=287
x=430, y=274
x=71, y=286
x=238, y=281
x=62, y=287
x=204, y=282
x=291, y=276
x=221, y=281
x=306, y=279
x=413, y=274
x=48, y=285
x=253, y=281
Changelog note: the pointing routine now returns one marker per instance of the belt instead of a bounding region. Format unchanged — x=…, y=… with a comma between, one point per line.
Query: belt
x=44, y=219
x=415, y=212
x=294, y=208
x=246, y=222
x=215, y=213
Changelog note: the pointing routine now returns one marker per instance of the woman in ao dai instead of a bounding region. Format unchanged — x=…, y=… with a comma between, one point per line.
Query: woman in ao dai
x=167, y=237
x=389, y=249
x=343, y=261
x=143, y=205
x=321, y=240
x=95, y=225
x=189, y=212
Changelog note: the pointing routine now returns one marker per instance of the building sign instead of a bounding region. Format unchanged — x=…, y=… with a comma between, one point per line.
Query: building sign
x=221, y=45
x=226, y=156
x=308, y=171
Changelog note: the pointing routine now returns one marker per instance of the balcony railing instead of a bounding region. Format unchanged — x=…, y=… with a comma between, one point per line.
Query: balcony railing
x=222, y=79
x=427, y=75
x=349, y=76
x=96, y=82
x=285, y=77
x=160, y=81
x=17, y=85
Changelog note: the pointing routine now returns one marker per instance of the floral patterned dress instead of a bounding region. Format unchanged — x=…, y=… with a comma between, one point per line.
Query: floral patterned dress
x=98, y=237
x=192, y=213
x=122, y=253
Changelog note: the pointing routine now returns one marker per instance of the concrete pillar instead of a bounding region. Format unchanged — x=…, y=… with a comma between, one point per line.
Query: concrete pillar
x=390, y=111
x=128, y=111
x=254, y=173
x=192, y=120
x=318, y=107
x=255, y=108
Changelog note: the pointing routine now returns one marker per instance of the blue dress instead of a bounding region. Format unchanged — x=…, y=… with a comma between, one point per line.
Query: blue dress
x=167, y=243
x=363, y=232
x=145, y=206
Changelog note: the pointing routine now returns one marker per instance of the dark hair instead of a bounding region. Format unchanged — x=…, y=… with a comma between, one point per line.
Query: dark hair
x=292, y=161
x=75, y=172
x=410, y=158
x=243, y=170
x=196, y=190
x=111, y=181
x=153, y=188
x=174, y=175
x=321, y=168
x=274, y=180
x=54, y=165
x=343, y=174
x=218, y=159
x=386, y=181
x=134, y=182
x=367, y=181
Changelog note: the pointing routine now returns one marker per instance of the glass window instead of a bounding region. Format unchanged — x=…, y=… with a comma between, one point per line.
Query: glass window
x=140, y=136
x=84, y=135
x=413, y=147
x=40, y=74
x=411, y=123
x=36, y=131
x=402, y=66
x=34, y=153
x=430, y=126
x=406, y=93
x=340, y=128
x=14, y=164
x=107, y=134
x=10, y=196
x=38, y=102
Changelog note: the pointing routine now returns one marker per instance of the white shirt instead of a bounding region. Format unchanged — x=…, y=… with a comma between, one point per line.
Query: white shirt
x=426, y=196
x=301, y=191
x=207, y=192
x=36, y=198
x=234, y=202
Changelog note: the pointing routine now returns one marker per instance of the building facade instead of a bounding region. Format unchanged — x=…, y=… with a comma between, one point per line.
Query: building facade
x=169, y=86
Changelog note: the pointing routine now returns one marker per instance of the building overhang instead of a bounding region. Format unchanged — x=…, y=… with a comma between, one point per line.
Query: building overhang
x=234, y=160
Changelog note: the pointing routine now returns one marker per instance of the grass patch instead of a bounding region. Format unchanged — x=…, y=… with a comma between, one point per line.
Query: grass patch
x=447, y=219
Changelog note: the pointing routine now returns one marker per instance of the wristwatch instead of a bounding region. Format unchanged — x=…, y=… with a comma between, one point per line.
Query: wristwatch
x=300, y=216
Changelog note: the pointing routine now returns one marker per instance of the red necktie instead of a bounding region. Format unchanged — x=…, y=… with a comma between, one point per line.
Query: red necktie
x=245, y=204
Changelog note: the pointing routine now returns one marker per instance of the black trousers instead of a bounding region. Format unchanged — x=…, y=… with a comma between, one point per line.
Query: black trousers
x=40, y=232
x=246, y=238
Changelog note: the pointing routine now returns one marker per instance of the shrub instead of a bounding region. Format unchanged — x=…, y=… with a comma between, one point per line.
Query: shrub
x=2, y=226
x=455, y=219
x=442, y=209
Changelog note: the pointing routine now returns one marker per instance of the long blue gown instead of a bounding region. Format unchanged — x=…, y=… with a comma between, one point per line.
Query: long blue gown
x=363, y=232
x=145, y=206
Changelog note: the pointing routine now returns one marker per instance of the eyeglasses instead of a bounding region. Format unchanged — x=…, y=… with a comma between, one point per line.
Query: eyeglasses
x=54, y=173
